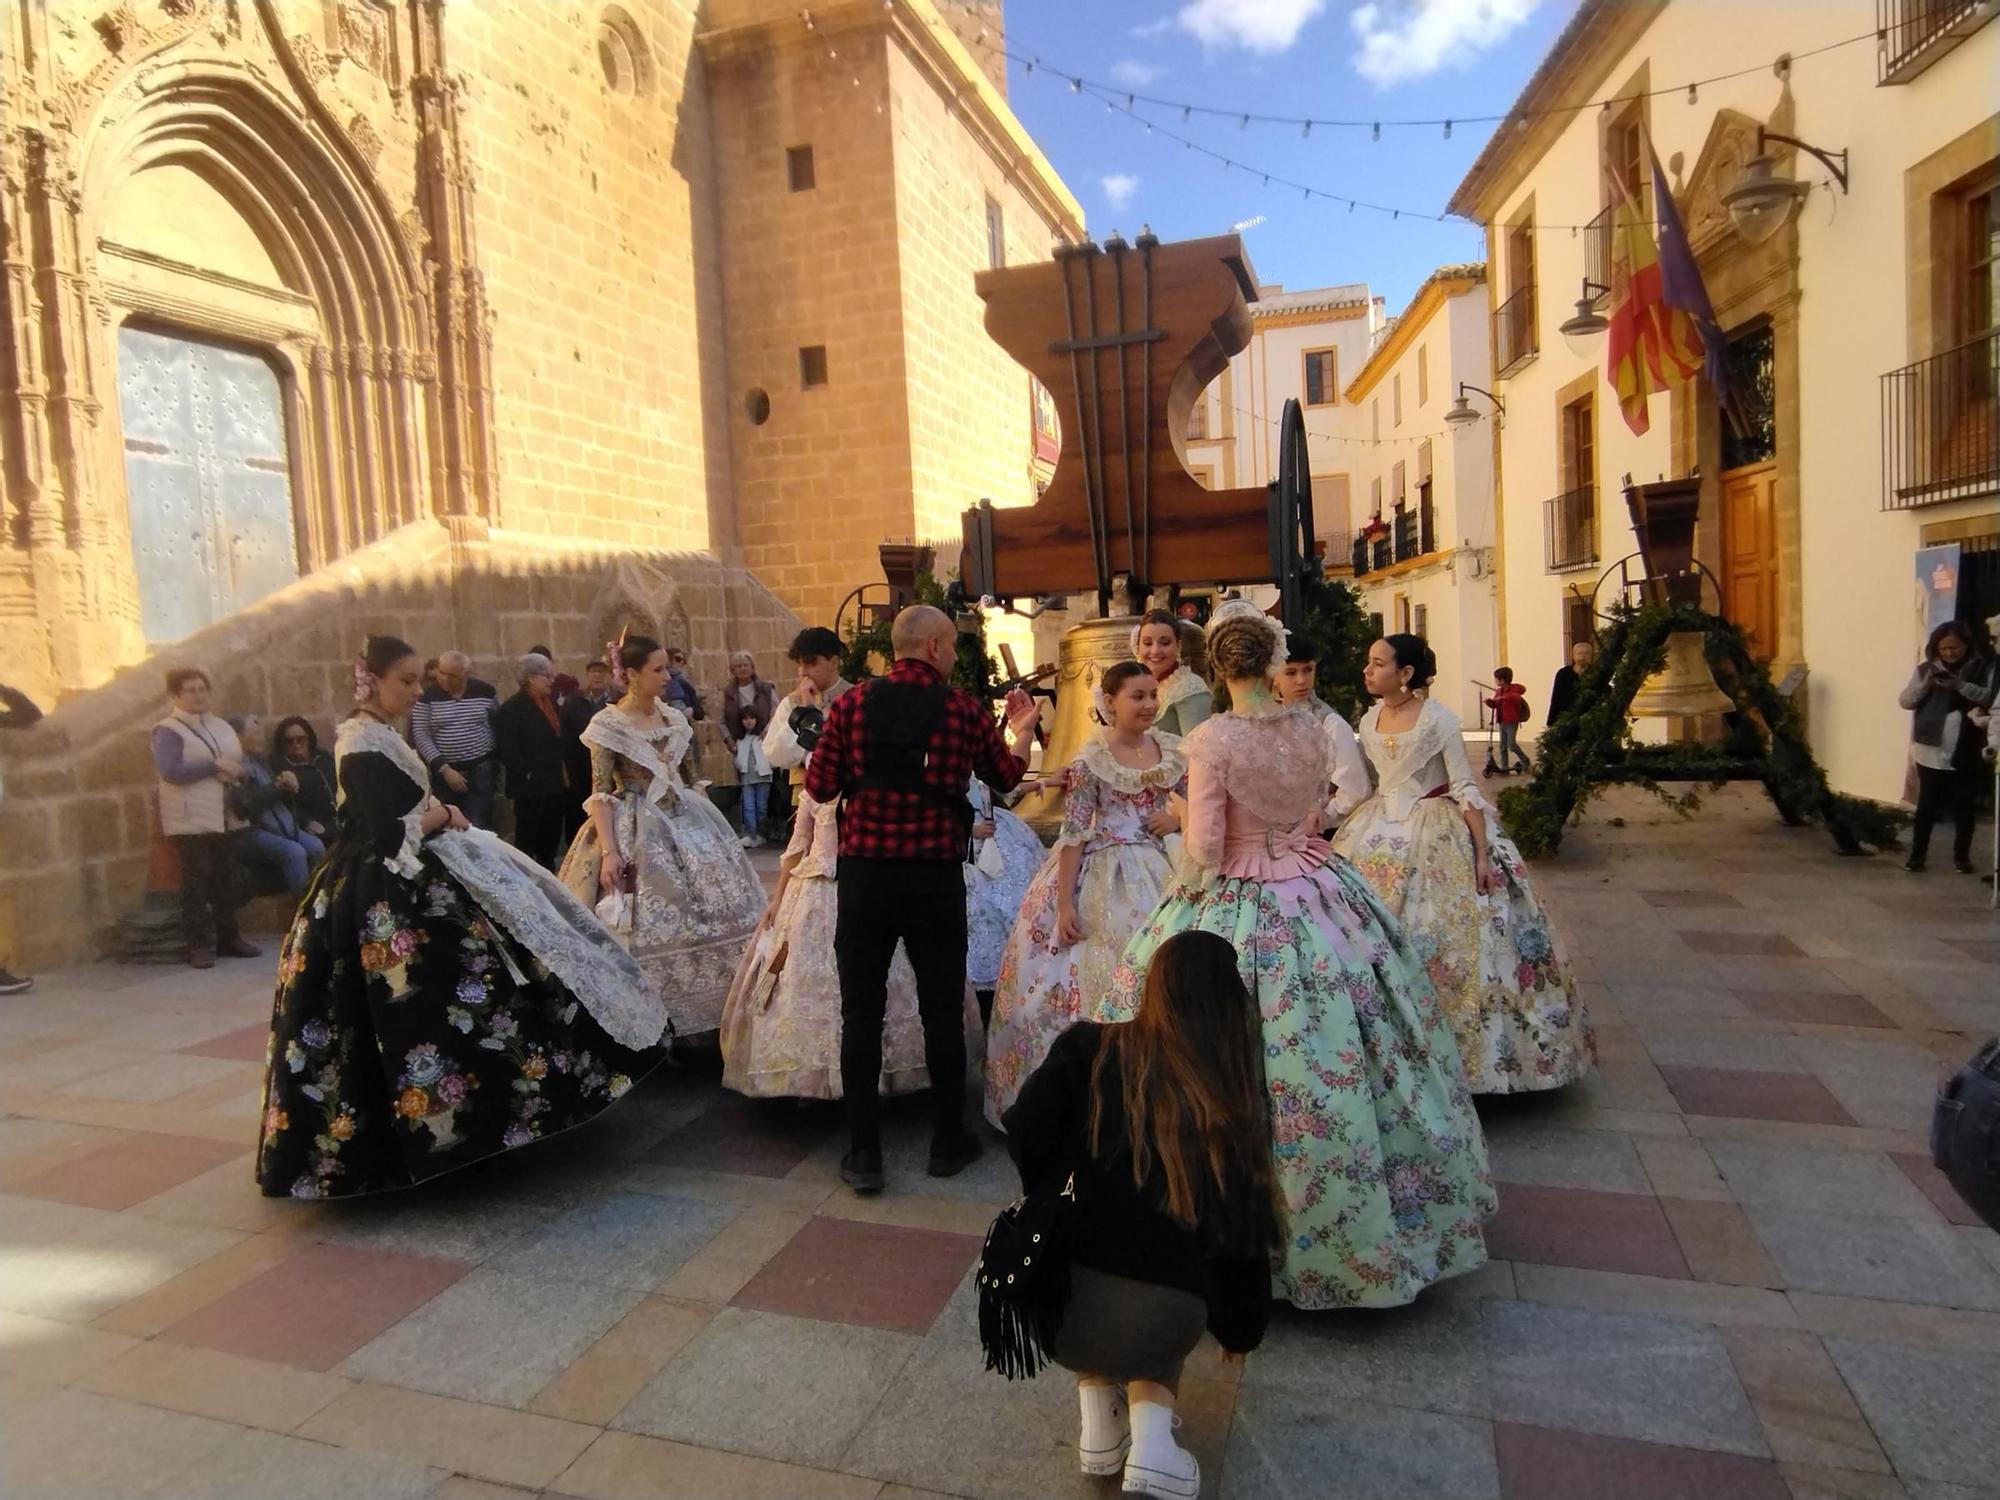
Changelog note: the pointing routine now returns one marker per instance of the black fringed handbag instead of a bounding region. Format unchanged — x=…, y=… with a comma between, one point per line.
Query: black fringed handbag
x=1024, y=1280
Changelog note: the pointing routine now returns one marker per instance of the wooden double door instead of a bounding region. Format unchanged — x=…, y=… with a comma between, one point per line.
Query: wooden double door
x=1750, y=553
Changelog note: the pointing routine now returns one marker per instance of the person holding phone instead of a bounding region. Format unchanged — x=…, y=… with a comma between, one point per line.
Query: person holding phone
x=1955, y=679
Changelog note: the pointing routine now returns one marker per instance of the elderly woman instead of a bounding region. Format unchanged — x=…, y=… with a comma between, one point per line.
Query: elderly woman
x=748, y=704
x=198, y=759
x=274, y=842
x=528, y=737
x=295, y=752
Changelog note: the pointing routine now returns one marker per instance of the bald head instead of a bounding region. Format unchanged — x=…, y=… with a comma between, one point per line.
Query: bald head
x=925, y=632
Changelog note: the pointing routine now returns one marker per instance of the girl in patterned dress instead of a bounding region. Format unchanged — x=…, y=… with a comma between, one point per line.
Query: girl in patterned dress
x=1429, y=845
x=1102, y=879
x=1380, y=1157
x=656, y=860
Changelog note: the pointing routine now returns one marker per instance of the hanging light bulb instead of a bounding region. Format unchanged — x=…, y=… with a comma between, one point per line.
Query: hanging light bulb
x=1187, y=113
x=1130, y=100
x=1027, y=66
x=1076, y=85
x=1376, y=132
x=1447, y=130
x=1306, y=130
x=1694, y=94
x=1244, y=123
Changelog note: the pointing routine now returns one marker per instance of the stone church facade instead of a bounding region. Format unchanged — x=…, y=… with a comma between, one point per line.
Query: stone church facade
x=493, y=322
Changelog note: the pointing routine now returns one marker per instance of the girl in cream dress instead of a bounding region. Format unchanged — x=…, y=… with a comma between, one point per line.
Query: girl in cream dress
x=1098, y=885
x=1429, y=845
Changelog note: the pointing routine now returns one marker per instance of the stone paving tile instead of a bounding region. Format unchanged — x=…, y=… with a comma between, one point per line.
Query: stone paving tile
x=1720, y=1243
x=1914, y=1323
x=1810, y=1006
x=1717, y=1044
x=1808, y=1414
x=267, y=1466
x=1747, y=1095
x=1530, y=1153
x=607, y=1375
x=1817, y=1482
x=1811, y=1181
x=878, y=1275
x=762, y=1137
x=1288, y=1442
x=1578, y=1227
x=628, y=1466
x=199, y=1285
x=1431, y=1354
x=793, y=1389
x=242, y=1044
x=463, y=1437
x=1893, y=1260
x=1932, y=1409
x=1741, y=944
x=452, y=1220
x=494, y=1336
x=1687, y=899
x=1681, y=1169
x=1981, y=950
x=128, y=1171
x=1655, y=1296
x=316, y=1307
x=1937, y=1187
x=84, y=1277
x=1658, y=1380
x=208, y=1383
x=1536, y=1463
x=159, y=1077
x=39, y=1356
x=75, y=1444
x=633, y=1240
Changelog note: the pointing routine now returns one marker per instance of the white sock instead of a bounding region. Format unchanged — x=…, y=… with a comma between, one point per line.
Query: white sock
x=1152, y=1428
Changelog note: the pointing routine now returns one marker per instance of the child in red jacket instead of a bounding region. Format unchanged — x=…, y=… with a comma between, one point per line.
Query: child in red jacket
x=1510, y=711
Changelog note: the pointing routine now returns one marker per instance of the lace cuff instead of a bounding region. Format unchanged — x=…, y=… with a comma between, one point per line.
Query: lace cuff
x=406, y=861
x=599, y=799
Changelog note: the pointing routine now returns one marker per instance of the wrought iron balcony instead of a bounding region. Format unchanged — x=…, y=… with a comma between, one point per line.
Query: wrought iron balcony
x=1406, y=535
x=1941, y=427
x=1515, y=338
x=1916, y=33
x=1381, y=553
x=1427, y=532
x=1569, y=529
x=1336, y=550
x=1360, y=554
x=1597, y=253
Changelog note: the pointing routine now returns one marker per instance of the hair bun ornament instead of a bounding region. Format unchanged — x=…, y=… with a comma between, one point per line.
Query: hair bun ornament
x=614, y=652
x=1242, y=609
x=364, y=681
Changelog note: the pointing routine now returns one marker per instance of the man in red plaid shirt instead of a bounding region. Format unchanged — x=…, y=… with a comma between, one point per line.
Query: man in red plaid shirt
x=899, y=754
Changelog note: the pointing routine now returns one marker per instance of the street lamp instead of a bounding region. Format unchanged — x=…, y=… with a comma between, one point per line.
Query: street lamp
x=1461, y=410
x=1580, y=330
x=1760, y=202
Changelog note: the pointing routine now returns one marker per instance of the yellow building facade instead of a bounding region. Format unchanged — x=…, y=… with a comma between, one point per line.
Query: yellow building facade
x=496, y=324
x=1862, y=334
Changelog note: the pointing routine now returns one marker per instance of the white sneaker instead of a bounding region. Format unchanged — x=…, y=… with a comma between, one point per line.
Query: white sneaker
x=1106, y=1435
x=1157, y=1465
x=743, y=839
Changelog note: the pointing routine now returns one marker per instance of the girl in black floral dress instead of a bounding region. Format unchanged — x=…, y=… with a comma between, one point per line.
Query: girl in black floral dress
x=441, y=998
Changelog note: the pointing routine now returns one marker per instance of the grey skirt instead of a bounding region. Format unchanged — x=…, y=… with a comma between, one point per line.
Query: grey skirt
x=1128, y=1330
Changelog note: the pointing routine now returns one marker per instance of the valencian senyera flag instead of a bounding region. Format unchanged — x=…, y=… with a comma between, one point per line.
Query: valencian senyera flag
x=1632, y=352
x=1689, y=334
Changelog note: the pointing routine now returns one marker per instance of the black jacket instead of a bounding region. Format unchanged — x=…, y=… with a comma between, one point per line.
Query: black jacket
x=529, y=748
x=576, y=713
x=1562, y=693
x=1120, y=1227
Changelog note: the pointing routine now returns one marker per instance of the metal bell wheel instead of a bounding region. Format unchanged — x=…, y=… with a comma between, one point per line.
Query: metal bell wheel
x=1965, y=1132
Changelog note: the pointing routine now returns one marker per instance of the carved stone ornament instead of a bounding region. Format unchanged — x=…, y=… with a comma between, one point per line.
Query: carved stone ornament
x=181, y=9
x=311, y=61
x=1731, y=143
x=415, y=235
x=366, y=140
x=364, y=37
x=117, y=27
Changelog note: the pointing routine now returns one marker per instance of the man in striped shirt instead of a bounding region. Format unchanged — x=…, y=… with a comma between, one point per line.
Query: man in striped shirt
x=452, y=727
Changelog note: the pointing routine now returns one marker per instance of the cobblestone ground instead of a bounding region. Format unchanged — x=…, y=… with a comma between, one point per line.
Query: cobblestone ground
x=1723, y=1267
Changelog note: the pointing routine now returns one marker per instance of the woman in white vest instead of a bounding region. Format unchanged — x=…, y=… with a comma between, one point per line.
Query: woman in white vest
x=198, y=760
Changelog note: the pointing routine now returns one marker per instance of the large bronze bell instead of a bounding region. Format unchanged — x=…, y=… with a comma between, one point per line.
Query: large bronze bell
x=1684, y=688
x=1087, y=651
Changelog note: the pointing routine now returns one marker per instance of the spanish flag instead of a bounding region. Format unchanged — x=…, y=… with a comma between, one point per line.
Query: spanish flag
x=1632, y=353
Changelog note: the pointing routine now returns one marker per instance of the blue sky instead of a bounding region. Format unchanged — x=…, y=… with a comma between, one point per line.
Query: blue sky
x=1326, y=58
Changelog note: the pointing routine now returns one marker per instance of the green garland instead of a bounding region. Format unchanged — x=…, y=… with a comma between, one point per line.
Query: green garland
x=1590, y=744
x=975, y=671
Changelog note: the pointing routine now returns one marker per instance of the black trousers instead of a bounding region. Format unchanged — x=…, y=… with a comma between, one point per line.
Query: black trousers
x=208, y=884
x=921, y=903
x=1954, y=791
x=538, y=827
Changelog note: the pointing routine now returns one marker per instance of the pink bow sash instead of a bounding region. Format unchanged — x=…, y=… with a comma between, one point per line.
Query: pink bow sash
x=1274, y=854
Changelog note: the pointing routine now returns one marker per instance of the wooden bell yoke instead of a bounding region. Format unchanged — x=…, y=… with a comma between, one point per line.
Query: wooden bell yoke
x=1126, y=338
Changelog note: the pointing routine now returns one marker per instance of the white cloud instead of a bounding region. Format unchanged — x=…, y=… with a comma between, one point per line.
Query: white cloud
x=1254, y=25
x=1135, y=74
x=1405, y=39
x=1119, y=188
x=1153, y=30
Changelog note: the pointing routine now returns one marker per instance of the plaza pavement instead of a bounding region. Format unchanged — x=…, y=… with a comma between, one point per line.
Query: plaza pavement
x=1723, y=1268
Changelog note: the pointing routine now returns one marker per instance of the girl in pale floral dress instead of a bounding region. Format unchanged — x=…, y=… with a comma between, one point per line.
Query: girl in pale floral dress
x=1097, y=886
x=1380, y=1157
x=657, y=862
x=1185, y=699
x=781, y=1022
x=1429, y=845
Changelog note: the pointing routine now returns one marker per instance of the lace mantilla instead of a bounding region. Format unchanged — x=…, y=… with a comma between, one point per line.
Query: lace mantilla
x=1182, y=682
x=1410, y=763
x=1097, y=757
x=1279, y=765
x=363, y=733
x=657, y=748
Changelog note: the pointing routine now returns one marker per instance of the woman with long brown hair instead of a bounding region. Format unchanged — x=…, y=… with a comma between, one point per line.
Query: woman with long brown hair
x=1163, y=1125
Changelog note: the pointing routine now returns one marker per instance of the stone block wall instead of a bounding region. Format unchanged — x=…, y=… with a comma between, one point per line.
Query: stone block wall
x=599, y=242
x=76, y=823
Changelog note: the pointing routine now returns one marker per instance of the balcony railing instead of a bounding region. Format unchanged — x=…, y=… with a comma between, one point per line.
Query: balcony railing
x=1381, y=553
x=1514, y=334
x=1569, y=529
x=1405, y=533
x=1597, y=252
x=1941, y=427
x=1427, y=531
x=1916, y=33
x=1336, y=550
